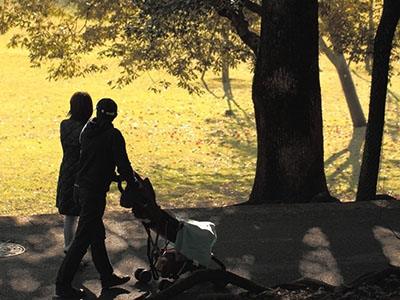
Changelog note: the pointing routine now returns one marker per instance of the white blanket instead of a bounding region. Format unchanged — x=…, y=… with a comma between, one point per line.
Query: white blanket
x=195, y=240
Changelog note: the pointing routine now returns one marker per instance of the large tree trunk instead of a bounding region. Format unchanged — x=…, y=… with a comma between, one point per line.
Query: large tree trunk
x=376, y=119
x=349, y=90
x=287, y=103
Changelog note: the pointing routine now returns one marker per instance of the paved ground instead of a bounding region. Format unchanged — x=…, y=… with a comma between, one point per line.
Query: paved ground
x=335, y=243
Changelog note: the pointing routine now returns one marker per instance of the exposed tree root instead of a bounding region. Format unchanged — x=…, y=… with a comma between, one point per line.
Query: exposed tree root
x=371, y=286
x=219, y=277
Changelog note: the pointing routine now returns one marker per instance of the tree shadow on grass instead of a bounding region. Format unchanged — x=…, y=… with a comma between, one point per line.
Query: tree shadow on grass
x=346, y=174
x=209, y=186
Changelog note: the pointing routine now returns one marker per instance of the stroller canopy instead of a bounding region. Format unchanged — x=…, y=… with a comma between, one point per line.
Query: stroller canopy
x=195, y=240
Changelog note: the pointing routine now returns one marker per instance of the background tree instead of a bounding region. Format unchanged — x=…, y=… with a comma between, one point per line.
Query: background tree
x=185, y=39
x=374, y=8
x=376, y=119
x=226, y=62
x=343, y=25
x=349, y=90
x=174, y=35
x=370, y=36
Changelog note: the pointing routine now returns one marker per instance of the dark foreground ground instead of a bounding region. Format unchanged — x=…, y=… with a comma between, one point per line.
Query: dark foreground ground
x=330, y=244
x=371, y=286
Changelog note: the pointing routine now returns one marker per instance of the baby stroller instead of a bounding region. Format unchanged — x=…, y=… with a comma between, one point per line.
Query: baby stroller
x=186, y=244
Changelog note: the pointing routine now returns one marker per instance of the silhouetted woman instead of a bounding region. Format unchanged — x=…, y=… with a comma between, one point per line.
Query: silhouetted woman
x=81, y=109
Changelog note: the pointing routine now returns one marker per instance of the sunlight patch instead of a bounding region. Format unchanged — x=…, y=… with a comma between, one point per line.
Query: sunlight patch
x=241, y=265
x=22, y=280
x=318, y=263
x=390, y=244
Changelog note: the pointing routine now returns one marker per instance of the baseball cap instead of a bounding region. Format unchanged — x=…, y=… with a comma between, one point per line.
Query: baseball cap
x=107, y=106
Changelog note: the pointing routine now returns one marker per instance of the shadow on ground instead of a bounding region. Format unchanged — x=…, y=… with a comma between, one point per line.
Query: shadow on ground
x=331, y=242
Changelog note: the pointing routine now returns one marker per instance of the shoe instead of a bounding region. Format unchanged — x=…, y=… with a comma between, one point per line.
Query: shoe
x=70, y=293
x=114, y=280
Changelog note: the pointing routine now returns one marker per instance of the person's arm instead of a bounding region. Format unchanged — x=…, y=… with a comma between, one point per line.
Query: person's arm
x=121, y=159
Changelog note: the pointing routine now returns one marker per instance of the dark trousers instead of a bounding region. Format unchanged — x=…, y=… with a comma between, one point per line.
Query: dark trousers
x=90, y=232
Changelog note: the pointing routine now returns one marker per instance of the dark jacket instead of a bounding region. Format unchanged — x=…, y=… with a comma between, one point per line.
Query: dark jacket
x=102, y=150
x=70, y=130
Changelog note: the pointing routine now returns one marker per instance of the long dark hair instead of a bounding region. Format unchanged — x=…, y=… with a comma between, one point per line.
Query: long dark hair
x=81, y=106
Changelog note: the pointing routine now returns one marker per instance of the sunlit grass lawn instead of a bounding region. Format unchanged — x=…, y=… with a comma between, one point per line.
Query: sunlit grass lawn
x=192, y=152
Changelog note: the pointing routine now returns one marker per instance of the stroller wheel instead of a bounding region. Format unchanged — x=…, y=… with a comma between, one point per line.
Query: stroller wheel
x=142, y=275
x=138, y=272
x=164, y=284
x=145, y=276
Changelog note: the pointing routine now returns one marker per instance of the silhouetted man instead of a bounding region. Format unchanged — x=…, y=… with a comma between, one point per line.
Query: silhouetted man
x=102, y=151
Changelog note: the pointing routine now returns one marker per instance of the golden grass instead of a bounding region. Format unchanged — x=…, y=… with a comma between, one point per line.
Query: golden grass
x=343, y=144
x=193, y=153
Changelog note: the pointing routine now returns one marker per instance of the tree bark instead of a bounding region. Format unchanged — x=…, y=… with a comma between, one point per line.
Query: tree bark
x=239, y=22
x=287, y=103
x=349, y=90
x=376, y=118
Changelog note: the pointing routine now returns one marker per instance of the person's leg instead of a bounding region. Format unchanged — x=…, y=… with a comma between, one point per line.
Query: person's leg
x=102, y=263
x=70, y=223
x=70, y=264
x=78, y=248
x=98, y=248
x=98, y=235
x=91, y=232
x=101, y=260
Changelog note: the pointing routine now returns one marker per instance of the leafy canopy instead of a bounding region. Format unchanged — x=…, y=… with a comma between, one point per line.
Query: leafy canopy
x=350, y=27
x=185, y=38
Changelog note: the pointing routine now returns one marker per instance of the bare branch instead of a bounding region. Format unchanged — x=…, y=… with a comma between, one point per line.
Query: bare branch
x=241, y=25
x=254, y=7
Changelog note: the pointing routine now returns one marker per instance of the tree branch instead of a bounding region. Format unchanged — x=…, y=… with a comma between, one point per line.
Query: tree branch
x=328, y=52
x=241, y=25
x=254, y=7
